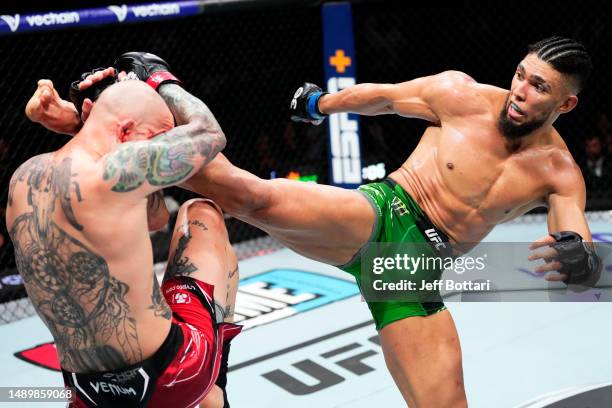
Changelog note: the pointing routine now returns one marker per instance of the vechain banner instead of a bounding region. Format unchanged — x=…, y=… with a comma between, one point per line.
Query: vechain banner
x=118, y=13
x=339, y=62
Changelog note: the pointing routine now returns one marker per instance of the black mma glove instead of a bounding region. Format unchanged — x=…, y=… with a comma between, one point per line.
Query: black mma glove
x=305, y=104
x=146, y=67
x=578, y=259
x=77, y=96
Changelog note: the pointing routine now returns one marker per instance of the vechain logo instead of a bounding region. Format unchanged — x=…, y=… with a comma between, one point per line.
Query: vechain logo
x=120, y=12
x=53, y=19
x=11, y=21
x=153, y=10
x=344, y=133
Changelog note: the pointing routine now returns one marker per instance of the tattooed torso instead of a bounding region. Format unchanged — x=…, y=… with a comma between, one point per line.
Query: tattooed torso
x=95, y=309
x=78, y=219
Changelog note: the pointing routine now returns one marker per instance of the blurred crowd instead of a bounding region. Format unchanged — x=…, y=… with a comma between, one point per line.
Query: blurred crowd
x=596, y=163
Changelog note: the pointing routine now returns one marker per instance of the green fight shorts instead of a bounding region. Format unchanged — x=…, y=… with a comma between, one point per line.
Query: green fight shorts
x=399, y=219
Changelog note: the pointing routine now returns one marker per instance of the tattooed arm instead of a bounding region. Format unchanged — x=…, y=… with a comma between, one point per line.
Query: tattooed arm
x=172, y=157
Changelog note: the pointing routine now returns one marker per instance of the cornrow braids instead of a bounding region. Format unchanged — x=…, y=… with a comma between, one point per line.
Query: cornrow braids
x=566, y=55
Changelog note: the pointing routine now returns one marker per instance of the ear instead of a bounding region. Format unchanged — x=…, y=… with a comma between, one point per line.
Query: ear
x=569, y=104
x=124, y=129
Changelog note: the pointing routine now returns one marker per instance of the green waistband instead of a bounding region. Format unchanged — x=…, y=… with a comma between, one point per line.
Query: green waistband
x=406, y=198
x=422, y=220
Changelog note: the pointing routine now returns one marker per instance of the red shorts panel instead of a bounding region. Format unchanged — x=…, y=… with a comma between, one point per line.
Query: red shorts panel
x=188, y=376
x=193, y=372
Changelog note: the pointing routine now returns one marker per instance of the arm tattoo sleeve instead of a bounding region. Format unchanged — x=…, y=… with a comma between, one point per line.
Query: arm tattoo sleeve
x=171, y=157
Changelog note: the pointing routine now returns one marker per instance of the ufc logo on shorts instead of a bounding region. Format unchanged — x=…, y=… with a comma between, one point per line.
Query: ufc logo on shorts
x=434, y=237
x=181, y=298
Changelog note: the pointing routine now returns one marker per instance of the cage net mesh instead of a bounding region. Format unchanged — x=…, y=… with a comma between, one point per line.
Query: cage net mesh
x=246, y=65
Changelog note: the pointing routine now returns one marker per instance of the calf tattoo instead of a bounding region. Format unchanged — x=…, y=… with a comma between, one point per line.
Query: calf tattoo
x=71, y=287
x=180, y=265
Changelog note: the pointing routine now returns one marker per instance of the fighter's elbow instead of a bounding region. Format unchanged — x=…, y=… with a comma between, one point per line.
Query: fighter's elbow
x=210, y=139
x=221, y=140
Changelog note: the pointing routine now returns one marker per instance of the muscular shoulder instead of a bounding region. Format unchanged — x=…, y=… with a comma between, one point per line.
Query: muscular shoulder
x=457, y=93
x=453, y=81
x=457, y=77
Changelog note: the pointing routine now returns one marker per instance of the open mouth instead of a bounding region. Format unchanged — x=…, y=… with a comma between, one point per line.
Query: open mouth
x=514, y=111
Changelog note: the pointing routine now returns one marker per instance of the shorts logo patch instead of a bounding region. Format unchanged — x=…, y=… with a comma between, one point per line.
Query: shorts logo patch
x=181, y=299
x=398, y=206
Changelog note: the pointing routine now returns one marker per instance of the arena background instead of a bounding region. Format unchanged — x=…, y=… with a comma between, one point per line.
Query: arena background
x=245, y=60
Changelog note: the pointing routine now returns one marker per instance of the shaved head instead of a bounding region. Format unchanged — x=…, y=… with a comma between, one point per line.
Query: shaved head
x=133, y=101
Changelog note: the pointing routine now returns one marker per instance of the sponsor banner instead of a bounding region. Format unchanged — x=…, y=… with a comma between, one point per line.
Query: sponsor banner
x=120, y=13
x=340, y=73
x=280, y=293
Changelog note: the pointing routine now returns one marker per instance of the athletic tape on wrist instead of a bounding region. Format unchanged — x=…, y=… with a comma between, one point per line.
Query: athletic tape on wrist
x=157, y=78
x=313, y=109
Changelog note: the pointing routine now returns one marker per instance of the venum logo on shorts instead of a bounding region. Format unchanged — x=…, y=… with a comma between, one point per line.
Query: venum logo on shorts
x=120, y=11
x=11, y=21
x=114, y=389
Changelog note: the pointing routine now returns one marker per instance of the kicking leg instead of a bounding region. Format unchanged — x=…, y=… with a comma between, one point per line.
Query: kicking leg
x=329, y=224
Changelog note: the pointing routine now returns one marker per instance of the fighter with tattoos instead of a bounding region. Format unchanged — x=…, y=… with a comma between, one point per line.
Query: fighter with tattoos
x=79, y=219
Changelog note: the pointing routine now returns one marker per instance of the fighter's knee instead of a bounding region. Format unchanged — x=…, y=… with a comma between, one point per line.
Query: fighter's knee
x=204, y=214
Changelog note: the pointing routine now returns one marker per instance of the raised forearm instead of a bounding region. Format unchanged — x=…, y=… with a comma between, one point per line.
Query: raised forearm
x=194, y=120
x=186, y=108
x=47, y=108
x=67, y=123
x=364, y=99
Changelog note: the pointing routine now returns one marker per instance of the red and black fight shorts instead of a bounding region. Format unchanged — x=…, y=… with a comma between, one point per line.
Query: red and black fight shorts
x=181, y=372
